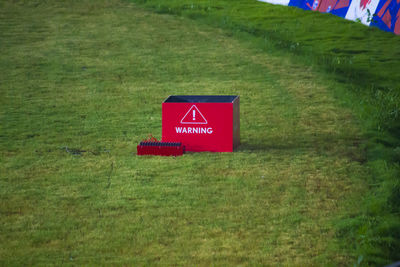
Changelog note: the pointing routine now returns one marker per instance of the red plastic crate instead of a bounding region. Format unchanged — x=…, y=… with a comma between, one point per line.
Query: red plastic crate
x=160, y=148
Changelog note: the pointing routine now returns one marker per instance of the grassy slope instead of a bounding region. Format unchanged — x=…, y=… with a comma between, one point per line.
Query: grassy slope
x=366, y=57
x=364, y=61
x=80, y=89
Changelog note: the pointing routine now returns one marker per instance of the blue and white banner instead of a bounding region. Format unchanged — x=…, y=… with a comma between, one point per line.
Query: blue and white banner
x=383, y=14
x=277, y=2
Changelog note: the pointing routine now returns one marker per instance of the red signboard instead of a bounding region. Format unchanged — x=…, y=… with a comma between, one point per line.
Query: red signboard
x=202, y=123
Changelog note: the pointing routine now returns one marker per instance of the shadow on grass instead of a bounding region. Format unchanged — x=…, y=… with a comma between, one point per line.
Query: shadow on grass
x=322, y=144
x=265, y=147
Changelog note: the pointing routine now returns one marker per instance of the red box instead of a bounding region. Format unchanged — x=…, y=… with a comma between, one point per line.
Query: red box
x=202, y=122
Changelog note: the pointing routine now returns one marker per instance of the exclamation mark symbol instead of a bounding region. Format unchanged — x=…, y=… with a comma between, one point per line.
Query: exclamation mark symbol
x=194, y=115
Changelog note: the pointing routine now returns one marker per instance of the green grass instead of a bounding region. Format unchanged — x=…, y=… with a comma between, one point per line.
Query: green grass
x=364, y=59
x=82, y=87
x=363, y=63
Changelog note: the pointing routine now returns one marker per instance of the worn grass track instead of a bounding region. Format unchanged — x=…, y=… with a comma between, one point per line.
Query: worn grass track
x=82, y=87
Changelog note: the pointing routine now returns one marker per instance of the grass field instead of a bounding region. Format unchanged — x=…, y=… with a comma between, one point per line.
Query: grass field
x=80, y=88
x=363, y=63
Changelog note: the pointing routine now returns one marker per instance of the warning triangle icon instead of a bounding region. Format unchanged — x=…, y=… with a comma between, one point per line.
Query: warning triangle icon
x=193, y=116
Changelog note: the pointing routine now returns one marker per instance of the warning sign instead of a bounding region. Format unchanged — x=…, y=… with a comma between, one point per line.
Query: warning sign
x=193, y=116
x=202, y=122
